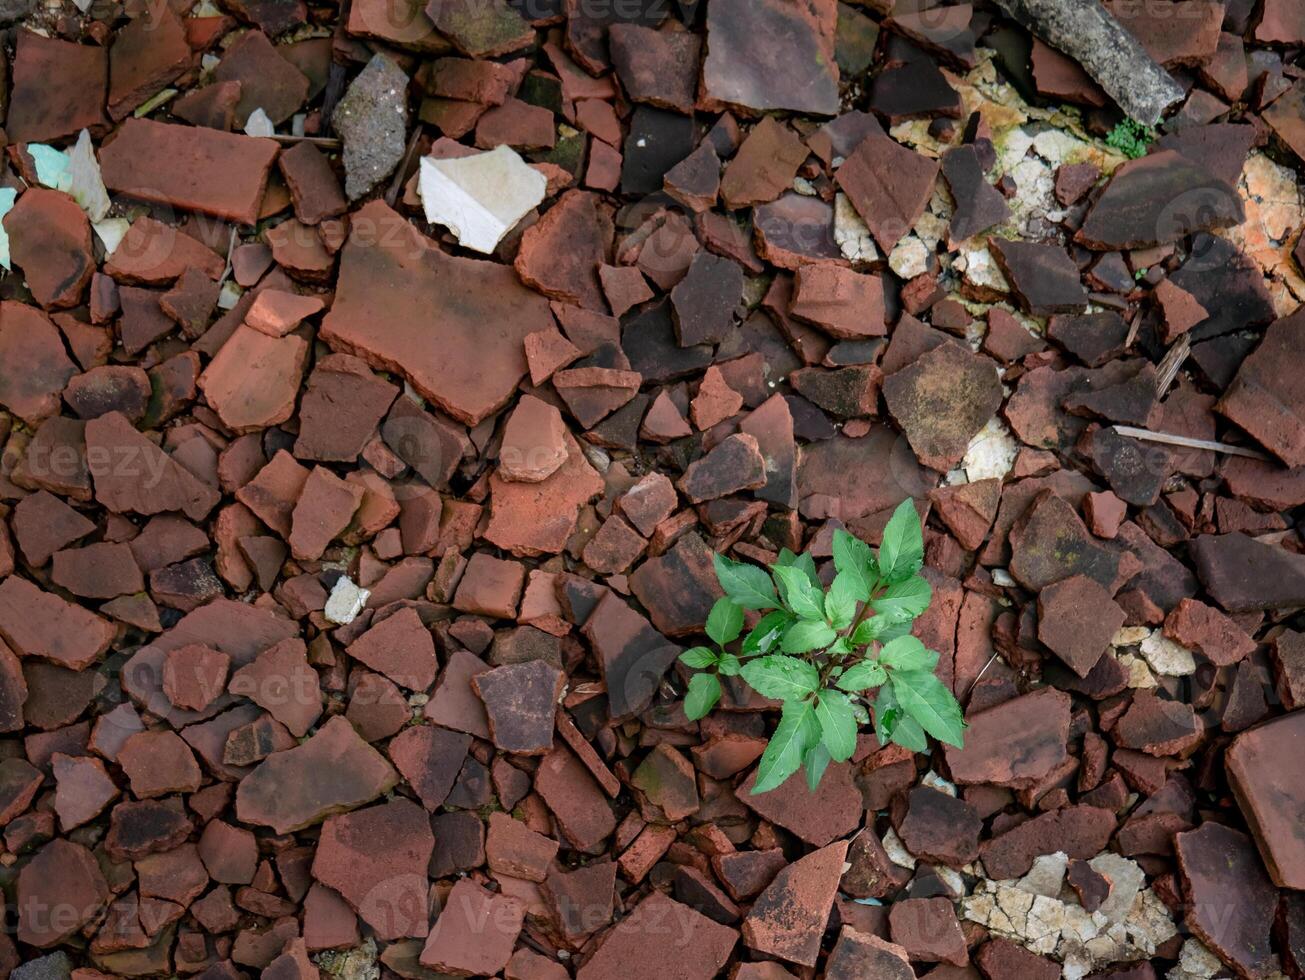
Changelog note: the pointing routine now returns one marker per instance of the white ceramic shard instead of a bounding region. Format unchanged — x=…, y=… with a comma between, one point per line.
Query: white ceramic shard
x=345, y=602
x=480, y=198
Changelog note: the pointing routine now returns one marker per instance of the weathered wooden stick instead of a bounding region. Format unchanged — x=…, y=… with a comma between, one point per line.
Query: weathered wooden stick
x=1085, y=31
x=1187, y=442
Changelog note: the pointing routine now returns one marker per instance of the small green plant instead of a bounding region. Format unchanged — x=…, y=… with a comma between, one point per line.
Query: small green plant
x=1130, y=138
x=824, y=653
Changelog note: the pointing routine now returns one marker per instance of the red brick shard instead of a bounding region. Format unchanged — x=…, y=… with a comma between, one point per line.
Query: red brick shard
x=1077, y=619
x=40, y=624
x=1014, y=743
x=253, y=381
x=280, y=681
x=34, y=367
x=475, y=932
x=639, y=945
x=59, y=890
x=794, y=69
x=324, y=509
x=333, y=771
x=454, y=327
x=400, y=647
x=376, y=859
x=788, y=919
x=1266, y=770
x=50, y=240
x=889, y=185
x=189, y=167
x=520, y=703
x=1265, y=396
x=134, y=476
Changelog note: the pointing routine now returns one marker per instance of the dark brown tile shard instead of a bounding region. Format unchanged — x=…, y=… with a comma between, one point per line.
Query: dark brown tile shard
x=942, y=401
x=796, y=72
x=1232, y=901
x=1043, y=278
x=889, y=185
x=788, y=919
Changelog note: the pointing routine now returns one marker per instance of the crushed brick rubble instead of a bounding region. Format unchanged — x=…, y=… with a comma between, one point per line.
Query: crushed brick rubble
x=377, y=381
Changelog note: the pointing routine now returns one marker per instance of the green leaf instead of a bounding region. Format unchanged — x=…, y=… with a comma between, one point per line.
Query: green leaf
x=892, y=630
x=797, y=731
x=837, y=726
x=803, y=561
x=798, y=593
x=862, y=676
x=841, y=601
x=704, y=692
x=780, y=677
x=807, y=634
x=747, y=585
x=909, y=735
x=904, y=600
x=901, y=553
x=867, y=631
x=907, y=653
x=926, y=699
x=853, y=557
x=816, y=761
x=765, y=635
x=698, y=657
x=725, y=621
x=840, y=647
x=887, y=714
x=728, y=665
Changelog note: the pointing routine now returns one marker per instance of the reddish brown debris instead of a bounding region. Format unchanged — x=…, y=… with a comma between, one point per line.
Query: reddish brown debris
x=344, y=576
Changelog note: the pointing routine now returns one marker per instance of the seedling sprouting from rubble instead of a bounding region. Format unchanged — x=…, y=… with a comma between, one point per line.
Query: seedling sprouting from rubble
x=825, y=653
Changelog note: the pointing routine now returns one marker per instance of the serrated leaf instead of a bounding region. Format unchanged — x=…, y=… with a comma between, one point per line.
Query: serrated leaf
x=698, y=657
x=926, y=699
x=892, y=631
x=725, y=621
x=798, y=593
x=747, y=585
x=803, y=561
x=887, y=713
x=901, y=553
x=909, y=735
x=853, y=557
x=907, y=653
x=780, y=677
x=797, y=731
x=841, y=601
x=728, y=665
x=806, y=635
x=867, y=631
x=763, y=637
x=904, y=600
x=840, y=647
x=837, y=726
x=704, y=692
x=815, y=762
x=862, y=676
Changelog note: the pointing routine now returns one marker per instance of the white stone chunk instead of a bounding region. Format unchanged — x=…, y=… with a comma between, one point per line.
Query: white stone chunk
x=480, y=198
x=346, y=601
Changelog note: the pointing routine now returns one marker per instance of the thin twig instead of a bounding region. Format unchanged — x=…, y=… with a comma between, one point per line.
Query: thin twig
x=1170, y=364
x=231, y=247
x=329, y=142
x=975, y=683
x=1187, y=442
